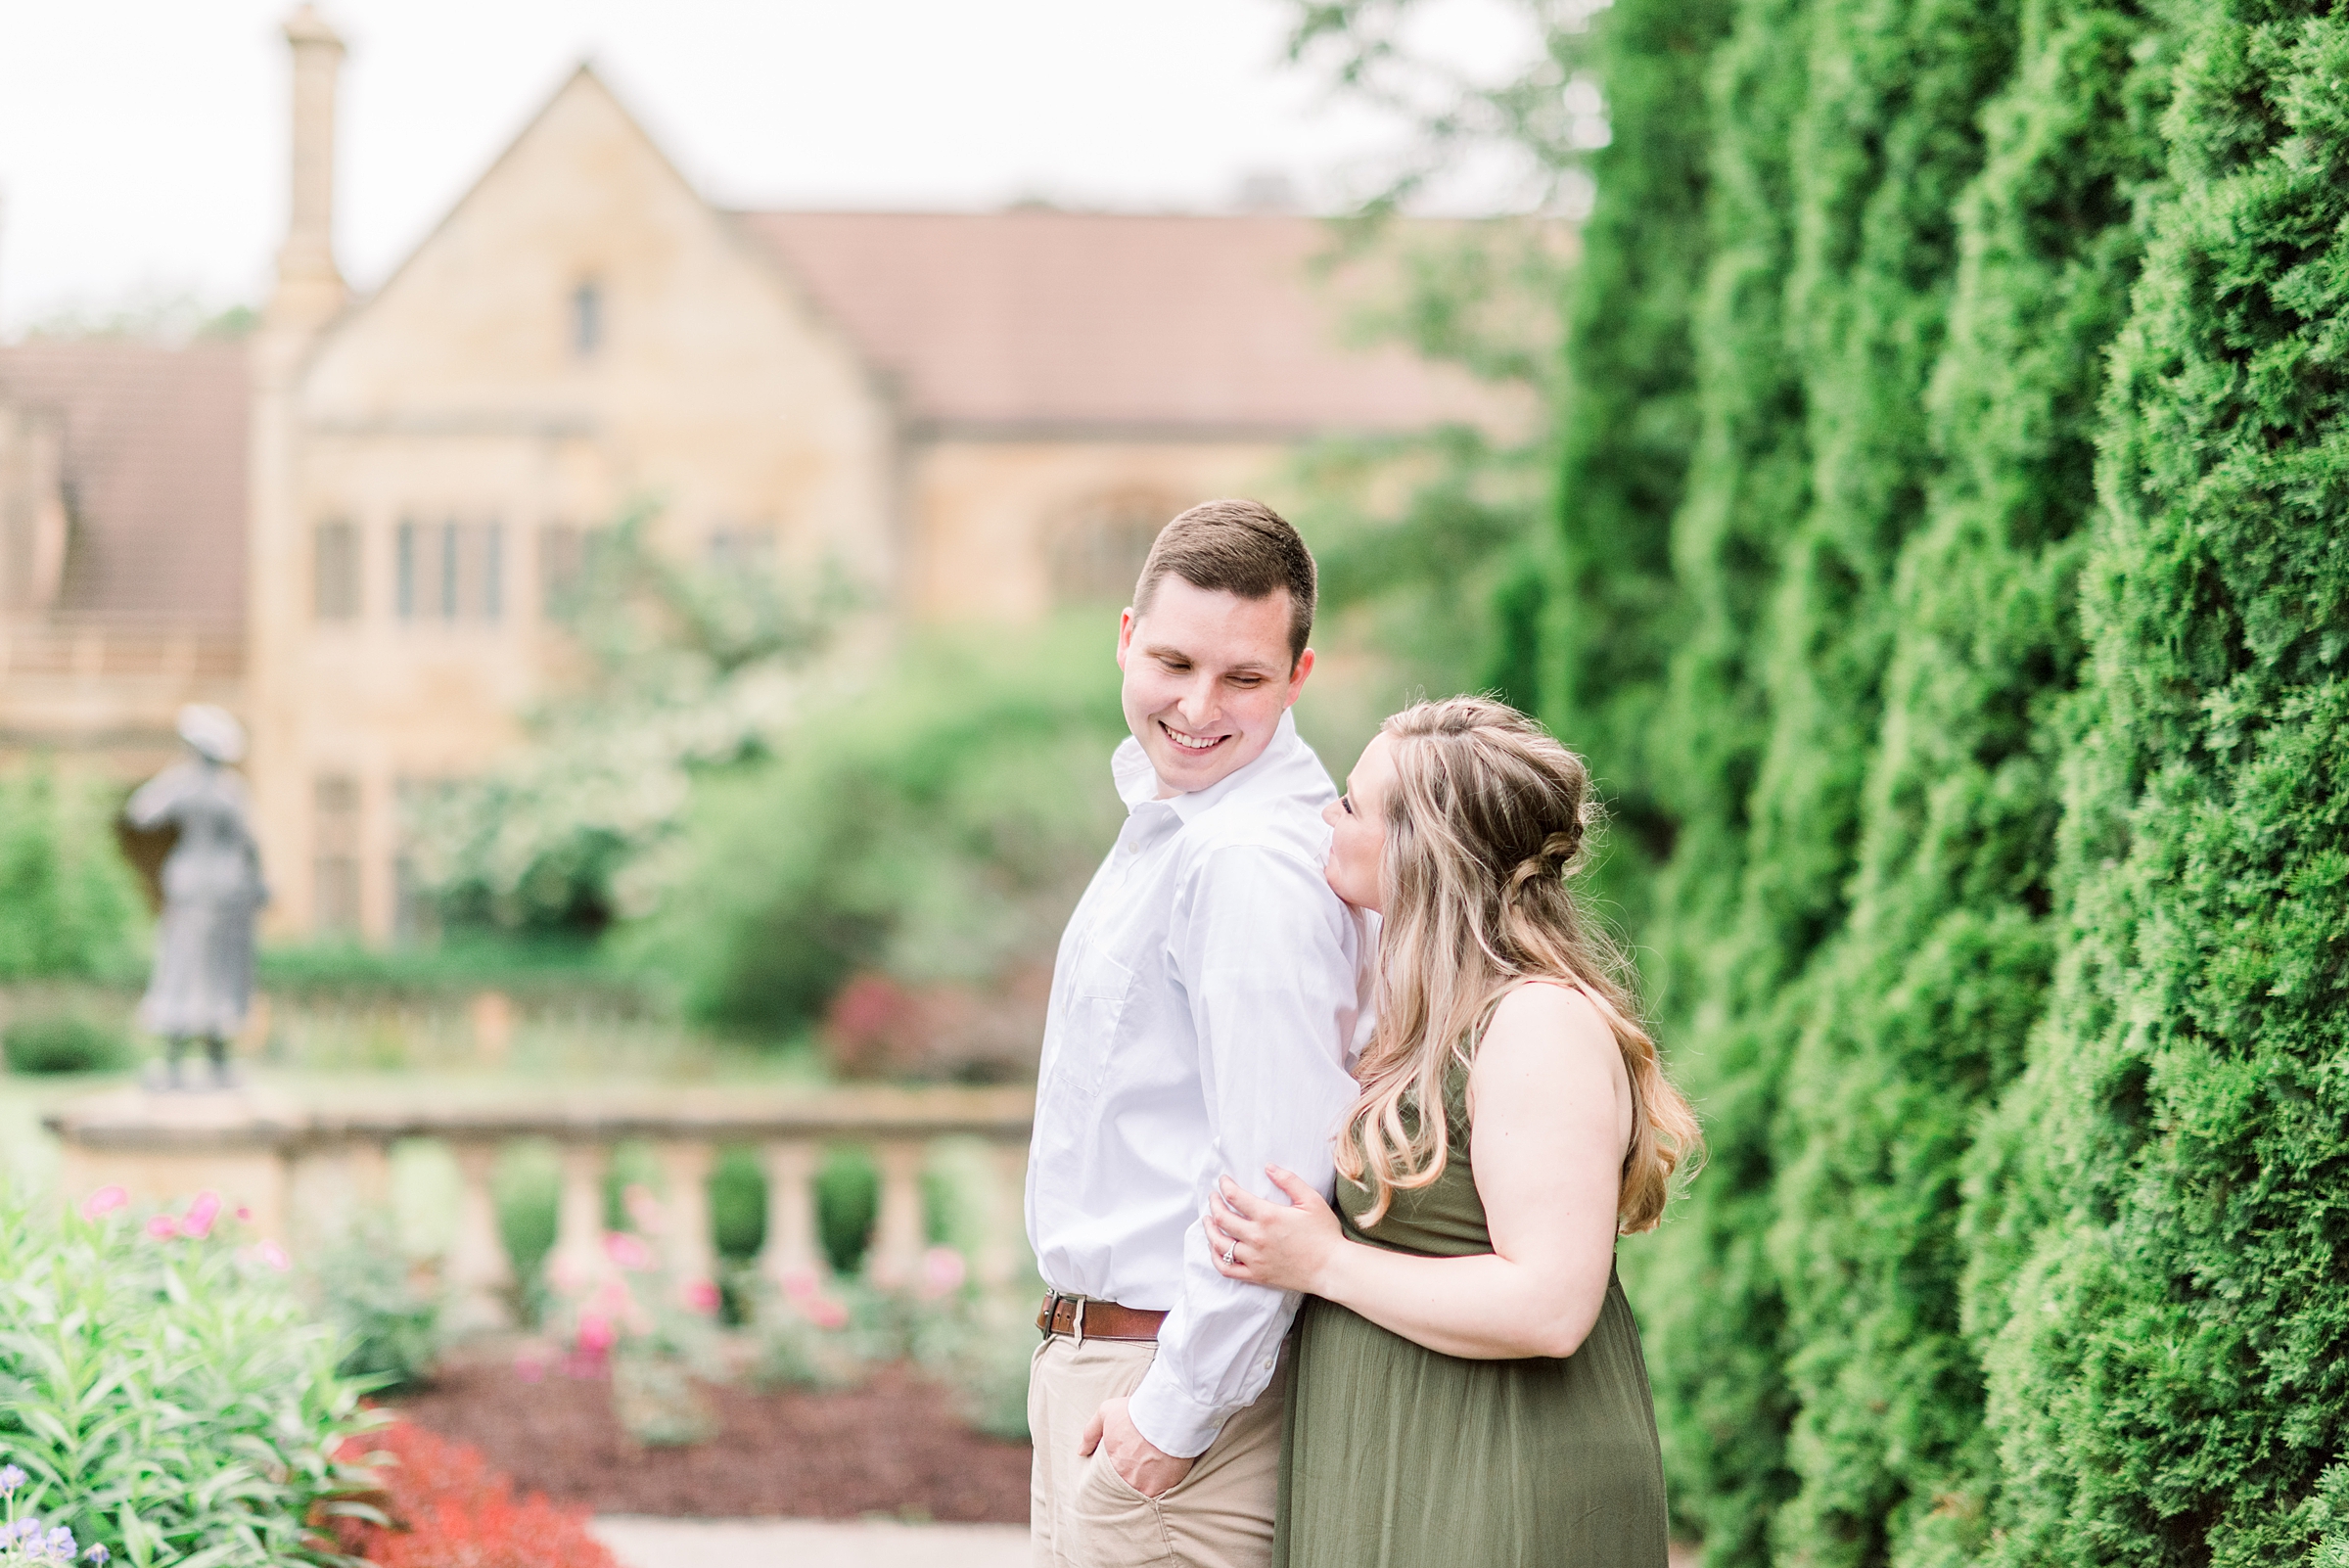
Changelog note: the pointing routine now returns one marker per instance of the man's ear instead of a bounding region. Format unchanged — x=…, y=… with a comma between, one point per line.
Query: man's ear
x=1305, y=667
x=1126, y=624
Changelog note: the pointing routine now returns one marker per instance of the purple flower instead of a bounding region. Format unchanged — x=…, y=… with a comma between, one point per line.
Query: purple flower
x=60, y=1542
x=11, y=1478
x=97, y=1554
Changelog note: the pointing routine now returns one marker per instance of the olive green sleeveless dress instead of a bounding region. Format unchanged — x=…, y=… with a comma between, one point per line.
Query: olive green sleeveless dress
x=1397, y=1457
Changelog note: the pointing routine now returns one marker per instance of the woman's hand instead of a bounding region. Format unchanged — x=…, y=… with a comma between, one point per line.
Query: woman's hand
x=1285, y=1246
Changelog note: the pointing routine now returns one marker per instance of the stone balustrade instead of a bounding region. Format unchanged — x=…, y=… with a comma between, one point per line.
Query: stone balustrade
x=303, y=1167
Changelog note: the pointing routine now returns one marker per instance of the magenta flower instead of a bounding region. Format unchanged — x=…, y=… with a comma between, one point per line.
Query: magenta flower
x=106, y=1200
x=270, y=1252
x=596, y=1333
x=162, y=1227
x=201, y=1215
x=699, y=1296
x=627, y=1251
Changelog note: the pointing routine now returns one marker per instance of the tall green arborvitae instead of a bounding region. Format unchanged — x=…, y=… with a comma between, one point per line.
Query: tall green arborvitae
x=1886, y=137
x=1920, y=1009
x=2167, y=1381
x=1707, y=1305
x=1628, y=419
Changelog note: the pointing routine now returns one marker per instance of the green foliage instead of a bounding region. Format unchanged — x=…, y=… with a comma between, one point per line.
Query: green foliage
x=683, y=669
x=64, y=1042
x=168, y=1397
x=367, y=1291
x=1923, y=1001
x=69, y=903
x=2164, y=1302
x=1628, y=423
x=847, y=1203
x=938, y=827
x=1707, y=1297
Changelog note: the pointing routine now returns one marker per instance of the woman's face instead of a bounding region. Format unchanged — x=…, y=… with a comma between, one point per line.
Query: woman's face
x=1357, y=826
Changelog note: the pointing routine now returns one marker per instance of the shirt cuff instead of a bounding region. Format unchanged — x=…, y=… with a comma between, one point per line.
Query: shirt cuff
x=1175, y=1424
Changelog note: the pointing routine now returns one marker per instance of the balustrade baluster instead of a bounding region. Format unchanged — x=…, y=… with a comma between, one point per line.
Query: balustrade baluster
x=1004, y=1251
x=685, y=1165
x=793, y=1256
x=578, y=1259
x=478, y=1270
x=898, y=1236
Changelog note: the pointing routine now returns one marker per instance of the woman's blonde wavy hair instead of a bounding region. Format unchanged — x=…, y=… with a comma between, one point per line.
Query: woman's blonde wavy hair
x=1487, y=823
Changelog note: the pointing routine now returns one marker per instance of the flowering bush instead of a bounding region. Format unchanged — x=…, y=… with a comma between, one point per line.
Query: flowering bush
x=654, y=1333
x=976, y=1341
x=443, y=1506
x=162, y=1388
x=27, y=1540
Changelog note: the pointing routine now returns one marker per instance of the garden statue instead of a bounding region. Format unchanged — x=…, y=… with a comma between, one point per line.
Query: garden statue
x=212, y=892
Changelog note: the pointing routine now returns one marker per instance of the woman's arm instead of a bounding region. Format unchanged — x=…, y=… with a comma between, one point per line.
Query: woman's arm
x=1551, y=1105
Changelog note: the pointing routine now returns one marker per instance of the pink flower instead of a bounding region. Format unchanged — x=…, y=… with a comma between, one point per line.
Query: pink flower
x=597, y=1336
x=699, y=1296
x=801, y=1283
x=825, y=1312
x=629, y=1252
x=162, y=1227
x=243, y=1214
x=943, y=1271
x=270, y=1252
x=106, y=1200
x=201, y=1215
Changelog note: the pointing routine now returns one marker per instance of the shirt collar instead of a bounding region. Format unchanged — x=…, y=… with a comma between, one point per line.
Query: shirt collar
x=1138, y=783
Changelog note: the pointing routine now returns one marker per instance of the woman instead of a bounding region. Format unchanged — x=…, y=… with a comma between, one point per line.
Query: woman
x=1468, y=1387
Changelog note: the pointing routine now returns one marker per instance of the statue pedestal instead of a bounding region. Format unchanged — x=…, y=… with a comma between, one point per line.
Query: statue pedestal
x=165, y=1146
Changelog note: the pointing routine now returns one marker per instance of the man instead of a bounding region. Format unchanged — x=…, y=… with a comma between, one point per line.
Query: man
x=1203, y=1001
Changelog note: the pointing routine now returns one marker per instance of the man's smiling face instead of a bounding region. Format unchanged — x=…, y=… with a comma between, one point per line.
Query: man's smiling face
x=1208, y=676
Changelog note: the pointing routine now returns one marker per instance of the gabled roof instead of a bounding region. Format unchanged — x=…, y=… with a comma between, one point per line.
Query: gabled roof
x=1076, y=323
x=154, y=467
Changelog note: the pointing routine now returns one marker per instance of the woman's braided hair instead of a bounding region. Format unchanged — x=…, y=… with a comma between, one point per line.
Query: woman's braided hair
x=1487, y=825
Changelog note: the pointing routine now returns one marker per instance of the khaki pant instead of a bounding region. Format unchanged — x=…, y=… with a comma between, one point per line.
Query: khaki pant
x=1081, y=1514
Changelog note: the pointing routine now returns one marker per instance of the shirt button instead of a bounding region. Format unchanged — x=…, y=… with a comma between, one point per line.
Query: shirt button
x=1266, y=1364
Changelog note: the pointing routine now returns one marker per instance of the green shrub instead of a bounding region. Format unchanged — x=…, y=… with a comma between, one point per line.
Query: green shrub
x=1925, y=998
x=366, y=1288
x=69, y=903
x=64, y=1042
x=168, y=1396
x=738, y=1203
x=848, y=1201
x=938, y=829
x=2161, y=1298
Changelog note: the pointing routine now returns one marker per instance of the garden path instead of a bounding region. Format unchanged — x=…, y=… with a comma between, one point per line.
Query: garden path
x=646, y=1543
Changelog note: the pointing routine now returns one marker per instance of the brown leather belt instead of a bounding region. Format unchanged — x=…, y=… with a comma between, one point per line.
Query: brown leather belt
x=1084, y=1320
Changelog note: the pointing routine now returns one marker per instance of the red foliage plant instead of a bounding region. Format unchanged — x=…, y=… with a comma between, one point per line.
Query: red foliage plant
x=449, y=1509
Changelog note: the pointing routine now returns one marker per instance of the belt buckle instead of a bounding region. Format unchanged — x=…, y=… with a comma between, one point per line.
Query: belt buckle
x=1052, y=1301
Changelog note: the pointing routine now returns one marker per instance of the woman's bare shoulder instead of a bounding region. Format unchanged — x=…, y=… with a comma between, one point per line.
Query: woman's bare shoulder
x=1545, y=1028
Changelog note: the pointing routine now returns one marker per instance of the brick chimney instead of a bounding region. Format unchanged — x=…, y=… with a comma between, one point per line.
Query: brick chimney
x=309, y=287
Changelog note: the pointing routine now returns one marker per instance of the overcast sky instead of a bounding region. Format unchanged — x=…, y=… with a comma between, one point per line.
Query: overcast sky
x=143, y=142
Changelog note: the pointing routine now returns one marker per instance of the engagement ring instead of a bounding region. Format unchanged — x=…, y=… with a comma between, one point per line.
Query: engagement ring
x=1231, y=1253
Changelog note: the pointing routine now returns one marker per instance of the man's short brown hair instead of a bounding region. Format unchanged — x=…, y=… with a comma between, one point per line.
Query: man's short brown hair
x=1242, y=548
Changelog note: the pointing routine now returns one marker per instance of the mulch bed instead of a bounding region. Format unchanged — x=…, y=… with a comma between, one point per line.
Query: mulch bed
x=894, y=1446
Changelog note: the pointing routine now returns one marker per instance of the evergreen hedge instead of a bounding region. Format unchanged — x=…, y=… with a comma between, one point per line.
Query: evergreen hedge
x=1628, y=419
x=1993, y=763
x=2167, y=1378
x=1707, y=1304
x=1921, y=1005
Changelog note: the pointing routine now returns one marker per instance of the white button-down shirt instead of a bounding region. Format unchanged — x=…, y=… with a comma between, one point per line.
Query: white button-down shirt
x=1204, y=1003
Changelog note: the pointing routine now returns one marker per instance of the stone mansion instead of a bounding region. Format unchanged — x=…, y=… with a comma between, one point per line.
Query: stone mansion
x=341, y=527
